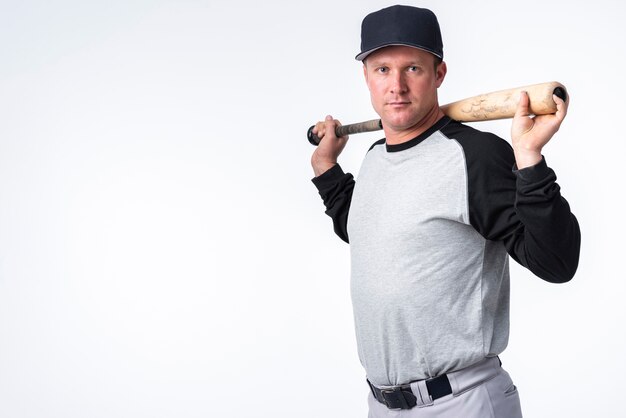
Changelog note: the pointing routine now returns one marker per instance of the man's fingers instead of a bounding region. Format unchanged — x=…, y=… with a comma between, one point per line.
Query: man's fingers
x=327, y=127
x=561, y=106
x=319, y=129
x=330, y=126
x=522, y=106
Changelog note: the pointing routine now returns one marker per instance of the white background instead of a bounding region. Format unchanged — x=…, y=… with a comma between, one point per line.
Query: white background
x=164, y=254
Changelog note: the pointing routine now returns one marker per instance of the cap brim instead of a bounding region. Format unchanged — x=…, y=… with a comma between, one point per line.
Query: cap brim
x=364, y=54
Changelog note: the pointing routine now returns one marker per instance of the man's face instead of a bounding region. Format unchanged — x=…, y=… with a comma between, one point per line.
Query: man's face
x=403, y=85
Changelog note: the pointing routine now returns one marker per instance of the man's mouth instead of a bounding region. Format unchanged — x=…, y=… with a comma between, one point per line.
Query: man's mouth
x=397, y=103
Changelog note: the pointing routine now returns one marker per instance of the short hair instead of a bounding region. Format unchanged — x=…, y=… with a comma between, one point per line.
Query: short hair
x=437, y=61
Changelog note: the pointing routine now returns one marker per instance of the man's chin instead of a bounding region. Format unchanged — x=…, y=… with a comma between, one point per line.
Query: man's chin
x=399, y=125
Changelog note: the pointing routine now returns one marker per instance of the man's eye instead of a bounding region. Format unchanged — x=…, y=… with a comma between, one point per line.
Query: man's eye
x=383, y=69
x=413, y=68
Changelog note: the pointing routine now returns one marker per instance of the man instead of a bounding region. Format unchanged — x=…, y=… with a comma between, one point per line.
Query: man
x=435, y=210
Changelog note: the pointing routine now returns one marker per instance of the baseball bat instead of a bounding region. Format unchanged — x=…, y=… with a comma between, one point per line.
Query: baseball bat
x=490, y=106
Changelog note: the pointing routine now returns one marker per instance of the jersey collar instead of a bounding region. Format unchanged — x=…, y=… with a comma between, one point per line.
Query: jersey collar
x=415, y=141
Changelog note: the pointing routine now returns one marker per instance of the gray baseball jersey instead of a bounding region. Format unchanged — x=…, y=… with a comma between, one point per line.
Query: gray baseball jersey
x=431, y=223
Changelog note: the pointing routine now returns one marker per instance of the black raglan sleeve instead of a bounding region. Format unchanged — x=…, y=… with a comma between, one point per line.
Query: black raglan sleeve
x=336, y=187
x=522, y=208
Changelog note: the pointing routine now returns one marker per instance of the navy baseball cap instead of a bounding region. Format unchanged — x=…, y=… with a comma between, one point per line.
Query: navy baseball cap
x=401, y=25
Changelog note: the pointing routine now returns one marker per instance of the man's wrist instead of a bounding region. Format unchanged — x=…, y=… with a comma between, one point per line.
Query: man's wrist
x=527, y=158
x=320, y=167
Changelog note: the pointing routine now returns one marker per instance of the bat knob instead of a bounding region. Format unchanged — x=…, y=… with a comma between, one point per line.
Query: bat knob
x=313, y=139
x=560, y=93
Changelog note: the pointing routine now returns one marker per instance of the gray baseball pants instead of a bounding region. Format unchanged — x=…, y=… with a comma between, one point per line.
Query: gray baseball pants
x=484, y=390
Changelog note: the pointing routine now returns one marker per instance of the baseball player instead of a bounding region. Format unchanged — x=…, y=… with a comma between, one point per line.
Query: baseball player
x=436, y=211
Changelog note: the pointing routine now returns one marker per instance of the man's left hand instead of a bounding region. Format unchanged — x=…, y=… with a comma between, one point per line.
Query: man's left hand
x=530, y=134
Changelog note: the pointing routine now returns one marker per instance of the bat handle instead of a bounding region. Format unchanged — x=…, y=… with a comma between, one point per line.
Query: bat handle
x=355, y=128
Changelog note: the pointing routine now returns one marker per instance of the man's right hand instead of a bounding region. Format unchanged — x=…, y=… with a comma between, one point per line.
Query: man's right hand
x=325, y=155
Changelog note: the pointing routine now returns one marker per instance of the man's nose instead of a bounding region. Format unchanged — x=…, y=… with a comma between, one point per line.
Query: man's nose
x=398, y=83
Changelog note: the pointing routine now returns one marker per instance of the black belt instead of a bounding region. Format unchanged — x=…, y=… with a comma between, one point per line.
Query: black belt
x=402, y=397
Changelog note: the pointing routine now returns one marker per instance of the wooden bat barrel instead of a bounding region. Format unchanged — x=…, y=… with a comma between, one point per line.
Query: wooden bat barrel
x=502, y=104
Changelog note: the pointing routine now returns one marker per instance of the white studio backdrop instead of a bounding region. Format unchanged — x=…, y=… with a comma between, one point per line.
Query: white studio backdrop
x=163, y=252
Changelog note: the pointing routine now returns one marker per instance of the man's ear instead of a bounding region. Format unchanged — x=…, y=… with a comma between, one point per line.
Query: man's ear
x=365, y=71
x=440, y=74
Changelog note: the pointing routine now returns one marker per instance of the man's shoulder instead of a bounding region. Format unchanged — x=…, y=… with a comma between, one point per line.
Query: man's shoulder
x=462, y=132
x=476, y=142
